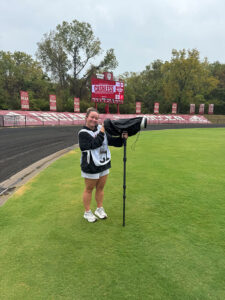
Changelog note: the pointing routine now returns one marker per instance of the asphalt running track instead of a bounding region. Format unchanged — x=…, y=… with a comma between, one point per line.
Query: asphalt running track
x=21, y=147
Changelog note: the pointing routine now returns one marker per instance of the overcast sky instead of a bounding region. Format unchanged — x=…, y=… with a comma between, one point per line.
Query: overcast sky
x=140, y=31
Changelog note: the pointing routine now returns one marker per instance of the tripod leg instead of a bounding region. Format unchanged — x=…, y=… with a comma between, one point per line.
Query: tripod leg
x=124, y=178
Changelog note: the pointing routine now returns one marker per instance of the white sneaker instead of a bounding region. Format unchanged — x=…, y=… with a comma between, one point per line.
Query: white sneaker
x=88, y=215
x=100, y=212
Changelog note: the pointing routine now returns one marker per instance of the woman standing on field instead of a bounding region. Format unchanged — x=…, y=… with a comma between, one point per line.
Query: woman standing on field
x=95, y=162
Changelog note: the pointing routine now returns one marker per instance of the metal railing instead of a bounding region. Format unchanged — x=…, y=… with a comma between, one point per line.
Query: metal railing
x=25, y=121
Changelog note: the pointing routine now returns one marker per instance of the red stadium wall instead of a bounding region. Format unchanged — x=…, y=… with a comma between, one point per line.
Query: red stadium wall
x=40, y=118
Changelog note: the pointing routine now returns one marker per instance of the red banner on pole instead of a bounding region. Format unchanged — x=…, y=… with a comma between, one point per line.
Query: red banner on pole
x=156, y=108
x=211, y=109
x=174, y=108
x=201, y=109
x=77, y=105
x=52, y=102
x=192, y=109
x=24, y=100
x=138, y=107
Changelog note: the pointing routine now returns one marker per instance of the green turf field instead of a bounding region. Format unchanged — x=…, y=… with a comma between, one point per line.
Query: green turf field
x=173, y=245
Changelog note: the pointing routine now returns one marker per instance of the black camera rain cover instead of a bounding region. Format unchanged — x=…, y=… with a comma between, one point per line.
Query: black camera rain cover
x=117, y=127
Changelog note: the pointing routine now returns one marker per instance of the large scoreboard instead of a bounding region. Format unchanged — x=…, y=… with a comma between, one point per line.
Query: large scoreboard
x=107, y=91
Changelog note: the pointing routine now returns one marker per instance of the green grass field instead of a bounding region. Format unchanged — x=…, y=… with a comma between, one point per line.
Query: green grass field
x=173, y=245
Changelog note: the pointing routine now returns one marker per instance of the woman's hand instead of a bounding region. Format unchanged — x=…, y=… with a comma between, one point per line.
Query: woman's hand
x=125, y=135
x=102, y=128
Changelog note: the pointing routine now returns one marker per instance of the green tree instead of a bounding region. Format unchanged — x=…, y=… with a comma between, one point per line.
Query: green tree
x=145, y=87
x=132, y=92
x=69, y=53
x=187, y=79
x=217, y=96
x=152, y=86
x=53, y=57
x=18, y=71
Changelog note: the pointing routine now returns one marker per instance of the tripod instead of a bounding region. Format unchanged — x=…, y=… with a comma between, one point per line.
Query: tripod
x=124, y=176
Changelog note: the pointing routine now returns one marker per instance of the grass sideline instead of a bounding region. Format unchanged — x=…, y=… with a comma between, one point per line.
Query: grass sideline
x=172, y=247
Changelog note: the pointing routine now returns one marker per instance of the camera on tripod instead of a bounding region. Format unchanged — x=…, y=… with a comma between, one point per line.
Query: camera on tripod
x=131, y=126
x=117, y=128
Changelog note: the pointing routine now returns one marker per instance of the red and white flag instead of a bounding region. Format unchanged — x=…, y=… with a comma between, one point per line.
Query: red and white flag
x=138, y=107
x=156, y=108
x=174, y=108
x=52, y=102
x=201, y=108
x=211, y=109
x=192, y=109
x=77, y=105
x=24, y=100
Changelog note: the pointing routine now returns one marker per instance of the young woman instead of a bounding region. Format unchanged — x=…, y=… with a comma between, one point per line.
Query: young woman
x=95, y=162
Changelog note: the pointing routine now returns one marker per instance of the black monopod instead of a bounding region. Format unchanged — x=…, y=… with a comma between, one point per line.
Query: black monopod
x=124, y=177
x=117, y=128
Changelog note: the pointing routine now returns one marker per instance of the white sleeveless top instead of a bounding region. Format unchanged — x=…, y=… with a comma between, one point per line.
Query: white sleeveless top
x=101, y=156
